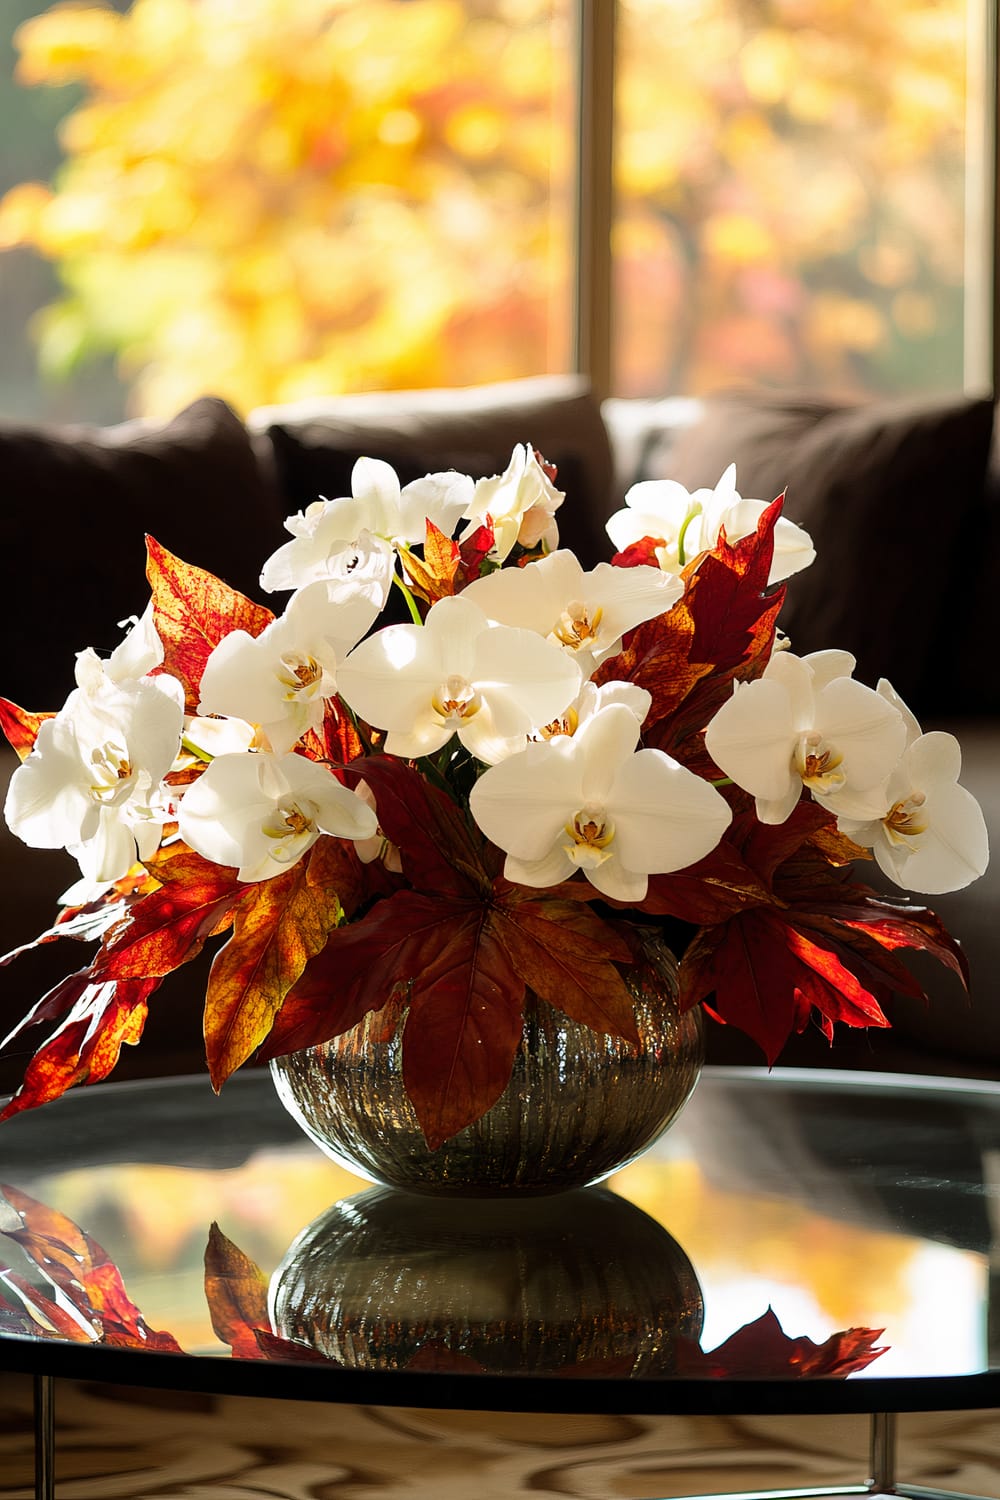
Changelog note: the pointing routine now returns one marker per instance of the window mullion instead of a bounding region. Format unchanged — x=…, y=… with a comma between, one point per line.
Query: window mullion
x=595, y=67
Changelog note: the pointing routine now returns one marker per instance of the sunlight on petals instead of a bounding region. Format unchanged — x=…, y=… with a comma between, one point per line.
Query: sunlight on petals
x=261, y=813
x=591, y=802
x=797, y=727
x=457, y=674
x=928, y=834
x=586, y=613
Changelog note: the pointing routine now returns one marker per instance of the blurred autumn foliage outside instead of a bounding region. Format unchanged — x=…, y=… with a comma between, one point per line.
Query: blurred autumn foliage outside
x=276, y=199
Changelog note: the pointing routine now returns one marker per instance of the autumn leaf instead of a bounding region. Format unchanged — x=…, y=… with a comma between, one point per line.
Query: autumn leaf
x=462, y=1032
x=336, y=741
x=567, y=955
x=433, y=576
x=440, y=848
x=192, y=612
x=363, y=965
x=85, y=1276
x=169, y=926
x=718, y=886
x=763, y=1351
x=273, y=1346
x=105, y=1015
x=280, y=924
x=236, y=1293
x=720, y=631
x=20, y=726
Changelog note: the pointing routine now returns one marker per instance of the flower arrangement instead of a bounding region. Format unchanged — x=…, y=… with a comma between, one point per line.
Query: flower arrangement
x=424, y=818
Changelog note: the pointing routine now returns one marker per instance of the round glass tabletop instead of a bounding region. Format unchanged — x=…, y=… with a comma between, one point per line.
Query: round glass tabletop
x=798, y=1241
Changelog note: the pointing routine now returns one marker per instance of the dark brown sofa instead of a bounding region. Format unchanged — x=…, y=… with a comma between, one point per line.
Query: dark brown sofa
x=902, y=499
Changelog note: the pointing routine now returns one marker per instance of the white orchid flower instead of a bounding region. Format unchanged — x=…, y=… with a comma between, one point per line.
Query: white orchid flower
x=930, y=835
x=806, y=722
x=593, y=802
x=586, y=613
x=457, y=674
x=590, y=700
x=684, y=524
x=93, y=781
x=280, y=680
x=520, y=504
x=261, y=813
x=353, y=538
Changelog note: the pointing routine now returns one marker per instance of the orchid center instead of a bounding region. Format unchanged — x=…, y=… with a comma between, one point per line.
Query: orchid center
x=290, y=828
x=456, y=700
x=576, y=627
x=818, y=764
x=299, y=674
x=112, y=773
x=905, y=819
x=567, y=724
x=591, y=832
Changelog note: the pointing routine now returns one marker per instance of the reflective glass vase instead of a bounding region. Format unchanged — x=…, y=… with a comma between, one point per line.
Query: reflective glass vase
x=579, y=1104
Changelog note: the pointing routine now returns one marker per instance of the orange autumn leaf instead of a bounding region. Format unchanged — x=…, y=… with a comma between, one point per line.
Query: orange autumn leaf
x=105, y=1016
x=193, y=611
x=20, y=726
x=433, y=577
x=236, y=1292
x=280, y=924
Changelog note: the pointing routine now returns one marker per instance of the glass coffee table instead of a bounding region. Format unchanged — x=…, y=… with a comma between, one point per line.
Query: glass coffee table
x=800, y=1243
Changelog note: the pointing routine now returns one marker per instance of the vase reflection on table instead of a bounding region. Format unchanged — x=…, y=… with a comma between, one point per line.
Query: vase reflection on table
x=586, y=1283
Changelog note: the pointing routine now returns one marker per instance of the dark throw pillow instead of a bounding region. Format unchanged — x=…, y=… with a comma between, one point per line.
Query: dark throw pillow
x=75, y=505
x=892, y=495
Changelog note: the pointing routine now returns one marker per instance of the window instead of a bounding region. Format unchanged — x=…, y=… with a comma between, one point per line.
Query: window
x=270, y=199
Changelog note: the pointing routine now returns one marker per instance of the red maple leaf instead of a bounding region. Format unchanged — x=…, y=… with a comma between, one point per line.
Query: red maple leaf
x=821, y=944
x=763, y=1351
x=720, y=631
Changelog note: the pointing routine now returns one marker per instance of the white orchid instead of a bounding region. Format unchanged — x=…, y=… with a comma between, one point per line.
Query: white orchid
x=520, y=504
x=261, y=812
x=590, y=700
x=93, y=781
x=930, y=835
x=281, y=679
x=353, y=538
x=586, y=613
x=683, y=524
x=807, y=723
x=593, y=802
x=457, y=674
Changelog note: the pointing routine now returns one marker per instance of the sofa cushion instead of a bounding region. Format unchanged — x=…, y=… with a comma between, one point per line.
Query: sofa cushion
x=77, y=502
x=891, y=493
x=314, y=446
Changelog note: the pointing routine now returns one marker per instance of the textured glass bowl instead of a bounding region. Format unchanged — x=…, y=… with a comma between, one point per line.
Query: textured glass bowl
x=579, y=1104
x=586, y=1283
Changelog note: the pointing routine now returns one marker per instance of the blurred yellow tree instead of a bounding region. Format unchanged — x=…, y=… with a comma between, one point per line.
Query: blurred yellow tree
x=271, y=199
x=268, y=199
x=791, y=181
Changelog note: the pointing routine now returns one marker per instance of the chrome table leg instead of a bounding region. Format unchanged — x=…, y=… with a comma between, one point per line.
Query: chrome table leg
x=45, y=1437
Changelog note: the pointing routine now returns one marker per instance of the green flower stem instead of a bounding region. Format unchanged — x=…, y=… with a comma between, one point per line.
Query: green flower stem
x=408, y=596
x=696, y=511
